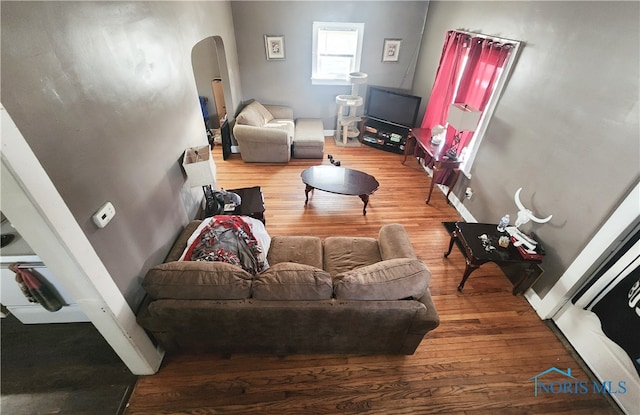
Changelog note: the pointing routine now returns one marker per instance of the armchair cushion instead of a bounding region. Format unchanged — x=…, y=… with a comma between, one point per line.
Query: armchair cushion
x=285, y=125
x=254, y=114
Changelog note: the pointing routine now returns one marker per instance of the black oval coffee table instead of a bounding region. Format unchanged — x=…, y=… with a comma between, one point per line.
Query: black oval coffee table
x=340, y=180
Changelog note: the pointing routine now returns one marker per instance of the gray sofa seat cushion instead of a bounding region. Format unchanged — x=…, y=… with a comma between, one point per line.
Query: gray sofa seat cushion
x=343, y=253
x=197, y=280
x=393, y=279
x=290, y=281
x=299, y=249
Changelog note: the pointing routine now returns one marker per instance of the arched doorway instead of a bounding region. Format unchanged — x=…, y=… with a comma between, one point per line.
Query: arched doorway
x=208, y=62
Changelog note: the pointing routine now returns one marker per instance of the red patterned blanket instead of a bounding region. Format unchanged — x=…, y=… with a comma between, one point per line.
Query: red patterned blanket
x=227, y=239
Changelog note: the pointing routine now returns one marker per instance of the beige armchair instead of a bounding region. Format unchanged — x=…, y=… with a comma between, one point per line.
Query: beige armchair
x=264, y=133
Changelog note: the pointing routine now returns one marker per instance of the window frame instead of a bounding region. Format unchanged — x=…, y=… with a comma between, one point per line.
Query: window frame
x=318, y=79
x=471, y=150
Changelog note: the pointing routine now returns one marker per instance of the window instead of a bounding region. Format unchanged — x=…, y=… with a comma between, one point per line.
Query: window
x=473, y=70
x=336, y=52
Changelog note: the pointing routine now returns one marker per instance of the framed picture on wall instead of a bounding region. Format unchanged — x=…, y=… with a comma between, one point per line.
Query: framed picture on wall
x=274, y=46
x=391, y=50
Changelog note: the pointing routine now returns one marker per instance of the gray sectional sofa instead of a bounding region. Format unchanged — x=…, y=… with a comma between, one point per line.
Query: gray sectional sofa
x=340, y=295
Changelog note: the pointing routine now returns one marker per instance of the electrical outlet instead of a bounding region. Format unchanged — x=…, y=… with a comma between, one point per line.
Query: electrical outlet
x=104, y=215
x=468, y=193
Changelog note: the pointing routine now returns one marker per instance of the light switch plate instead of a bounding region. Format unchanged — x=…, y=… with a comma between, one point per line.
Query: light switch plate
x=104, y=215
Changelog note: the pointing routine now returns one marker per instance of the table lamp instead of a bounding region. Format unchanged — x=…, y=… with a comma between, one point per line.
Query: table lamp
x=463, y=118
x=201, y=170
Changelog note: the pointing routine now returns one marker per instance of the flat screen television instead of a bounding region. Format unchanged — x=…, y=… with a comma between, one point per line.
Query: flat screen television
x=392, y=106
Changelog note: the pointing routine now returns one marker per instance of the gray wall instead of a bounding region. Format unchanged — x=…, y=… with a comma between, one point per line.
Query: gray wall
x=566, y=127
x=288, y=82
x=104, y=93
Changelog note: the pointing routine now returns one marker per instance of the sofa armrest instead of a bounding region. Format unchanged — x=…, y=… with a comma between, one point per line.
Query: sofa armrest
x=260, y=135
x=431, y=319
x=263, y=144
x=393, y=242
x=181, y=242
x=280, y=111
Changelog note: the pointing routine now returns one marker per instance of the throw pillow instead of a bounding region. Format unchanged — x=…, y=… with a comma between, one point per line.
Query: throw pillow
x=181, y=280
x=291, y=281
x=254, y=114
x=393, y=279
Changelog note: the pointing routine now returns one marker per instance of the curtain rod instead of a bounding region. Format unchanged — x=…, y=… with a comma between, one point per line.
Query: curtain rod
x=500, y=39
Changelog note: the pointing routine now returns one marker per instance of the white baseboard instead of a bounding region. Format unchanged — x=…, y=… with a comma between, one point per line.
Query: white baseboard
x=457, y=203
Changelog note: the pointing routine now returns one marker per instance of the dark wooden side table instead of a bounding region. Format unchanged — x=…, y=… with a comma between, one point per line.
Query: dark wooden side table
x=252, y=203
x=435, y=158
x=466, y=236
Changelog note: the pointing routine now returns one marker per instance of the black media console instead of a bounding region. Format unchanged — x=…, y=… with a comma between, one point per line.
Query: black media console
x=384, y=135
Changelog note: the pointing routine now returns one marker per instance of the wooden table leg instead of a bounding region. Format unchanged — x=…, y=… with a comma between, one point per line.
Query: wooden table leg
x=365, y=200
x=433, y=181
x=407, y=146
x=467, y=271
x=453, y=239
x=456, y=173
x=307, y=189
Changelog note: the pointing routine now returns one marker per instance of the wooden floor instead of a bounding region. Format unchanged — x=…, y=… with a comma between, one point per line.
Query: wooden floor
x=480, y=360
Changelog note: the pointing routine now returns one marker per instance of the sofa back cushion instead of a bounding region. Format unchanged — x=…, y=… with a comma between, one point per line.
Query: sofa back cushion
x=299, y=249
x=393, y=279
x=197, y=280
x=290, y=281
x=254, y=114
x=342, y=253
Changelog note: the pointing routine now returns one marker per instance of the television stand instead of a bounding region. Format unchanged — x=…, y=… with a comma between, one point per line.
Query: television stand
x=384, y=135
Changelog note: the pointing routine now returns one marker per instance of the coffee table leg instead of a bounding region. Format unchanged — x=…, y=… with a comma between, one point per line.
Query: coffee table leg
x=307, y=189
x=453, y=238
x=365, y=200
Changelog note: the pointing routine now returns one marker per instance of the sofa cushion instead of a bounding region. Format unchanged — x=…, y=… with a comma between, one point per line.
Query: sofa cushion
x=343, y=253
x=299, y=249
x=285, y=125
x=393, y=279
x=291, y=281
x=197, y=280
x=254, y=114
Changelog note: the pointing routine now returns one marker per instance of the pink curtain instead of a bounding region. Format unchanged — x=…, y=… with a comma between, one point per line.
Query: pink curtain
x=455, y=46
x=484, y=63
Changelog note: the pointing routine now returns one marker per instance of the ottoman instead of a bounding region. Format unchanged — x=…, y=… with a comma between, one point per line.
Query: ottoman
x=308, y=141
